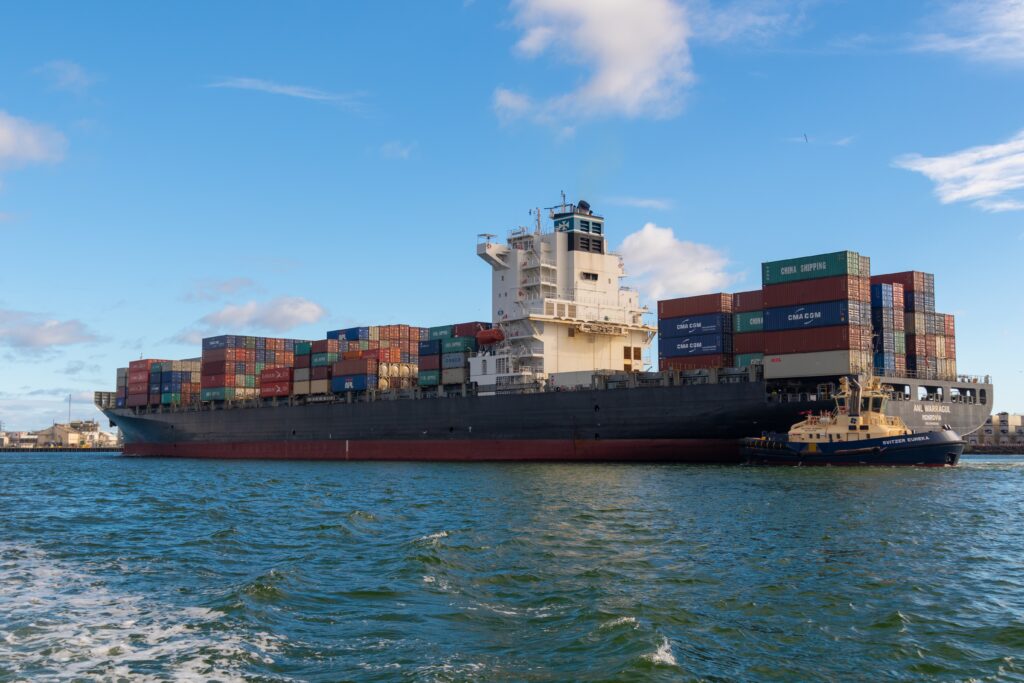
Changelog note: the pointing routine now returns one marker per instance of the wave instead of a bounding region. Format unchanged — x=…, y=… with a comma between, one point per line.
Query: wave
x=60, y=624
x=663, y=655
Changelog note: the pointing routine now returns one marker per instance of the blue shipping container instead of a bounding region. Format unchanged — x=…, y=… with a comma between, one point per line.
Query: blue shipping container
x=881, y=296
x=807, y=315
x=450, y=361
x=353, y=383
x=430, y=347
x=224, y=341
x=699, y=345
x=886, y=361
x=688, y=326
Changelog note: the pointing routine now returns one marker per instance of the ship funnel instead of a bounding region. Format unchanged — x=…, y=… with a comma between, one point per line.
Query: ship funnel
x=583, y=206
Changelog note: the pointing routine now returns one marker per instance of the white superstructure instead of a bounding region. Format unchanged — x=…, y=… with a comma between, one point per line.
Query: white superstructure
x=557, y=297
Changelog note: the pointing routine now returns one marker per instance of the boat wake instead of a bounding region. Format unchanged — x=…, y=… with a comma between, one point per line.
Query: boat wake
x=63, y=624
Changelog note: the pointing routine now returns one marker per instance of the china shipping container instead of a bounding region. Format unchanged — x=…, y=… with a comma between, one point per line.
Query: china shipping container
x=814, y=267
x=695, y=305
x=429, y=378
x=748, y=321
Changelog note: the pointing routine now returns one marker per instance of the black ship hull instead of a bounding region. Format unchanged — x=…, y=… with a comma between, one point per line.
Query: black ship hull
x=931, y=449
x=703, y=423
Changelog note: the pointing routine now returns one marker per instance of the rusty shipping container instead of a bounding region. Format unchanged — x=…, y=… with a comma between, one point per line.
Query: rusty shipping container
x=746, y=302
x=695, y=305
x=810, y=340
x=717, y=360
x=838, y=288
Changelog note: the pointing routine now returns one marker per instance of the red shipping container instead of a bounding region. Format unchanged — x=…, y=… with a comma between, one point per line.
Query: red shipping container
x=138, y=387
x=302, y=361
x=842, y=287
x=134, y=400
x=951, y=347
x=217, y=368
x=748, y=342
x=215, y=381
x=356, y=366
x=929, y=345
x=325, y=346
x=320, y=372
x=809, y=340
x=214, y=355
x=470, y=329
x=695, y=305
x=271, y=389
x=916, y=345
x=276, y=375
x=912, y=280
x=370, y=353
x=897, y=296
x=138, y=376
x=430, y=363
x=747, y=302
x=949, y=325
x=718, y=360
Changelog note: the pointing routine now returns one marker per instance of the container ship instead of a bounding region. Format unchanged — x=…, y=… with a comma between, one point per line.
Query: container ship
x=563, y=370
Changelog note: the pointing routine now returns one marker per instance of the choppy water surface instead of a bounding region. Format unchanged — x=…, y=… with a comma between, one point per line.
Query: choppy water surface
x=115, y=567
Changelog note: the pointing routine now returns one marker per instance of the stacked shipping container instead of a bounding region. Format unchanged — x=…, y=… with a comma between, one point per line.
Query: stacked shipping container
x=930, y=337
x=445, y=351
x=887, y=323
x=695, y=332
x=232, y=366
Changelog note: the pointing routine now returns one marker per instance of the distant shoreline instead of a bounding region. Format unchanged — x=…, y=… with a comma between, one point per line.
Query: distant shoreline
x=58, y=449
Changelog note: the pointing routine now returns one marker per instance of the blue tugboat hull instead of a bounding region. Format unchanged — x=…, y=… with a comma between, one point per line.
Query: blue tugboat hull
x=929, y=449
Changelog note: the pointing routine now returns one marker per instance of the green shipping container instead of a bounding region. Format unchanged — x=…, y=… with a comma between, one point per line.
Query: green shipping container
x=901, y=342
x=751, y=321
x=812, y=267
x=442, y=332
x=744, y=360
x=217, y=394
x=303, y=348
x=456, y=344
x=321, y=359
x=429, y=378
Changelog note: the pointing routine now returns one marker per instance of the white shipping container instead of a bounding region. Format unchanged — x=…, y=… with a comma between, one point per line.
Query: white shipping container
x=822, y=363
x=301, y=375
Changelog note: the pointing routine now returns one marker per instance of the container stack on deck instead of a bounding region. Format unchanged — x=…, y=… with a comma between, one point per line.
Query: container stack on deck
x=930, y=336
x=444, y=353
x=748, y=328
x=232, y=366
x=887, y=324
x=121, y=392
x=817, y=315
x=696, y=332
x=139, y=384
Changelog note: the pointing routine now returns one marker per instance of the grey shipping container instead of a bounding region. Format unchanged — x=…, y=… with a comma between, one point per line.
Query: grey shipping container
x=818, y=364
x=455, y=376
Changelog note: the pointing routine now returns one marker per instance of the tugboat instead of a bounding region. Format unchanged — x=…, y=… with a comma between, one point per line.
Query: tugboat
x=857, y=432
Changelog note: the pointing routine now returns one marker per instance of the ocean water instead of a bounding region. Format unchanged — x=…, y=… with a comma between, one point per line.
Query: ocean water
x=115, y=568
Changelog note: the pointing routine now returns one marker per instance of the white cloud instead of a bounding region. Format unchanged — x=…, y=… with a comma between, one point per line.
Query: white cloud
x=636, y=52
x=990, y=176
x=65, y=75
x=987, y=30
x=397, y=150
x=279, y=315
x=33, y=332
x=661, y=265
x=347, y=100
x=641, y=202
x=23, y=142
x=212, y=290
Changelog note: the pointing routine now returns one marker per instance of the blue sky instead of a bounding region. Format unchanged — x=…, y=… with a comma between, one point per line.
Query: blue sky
x=168, y=172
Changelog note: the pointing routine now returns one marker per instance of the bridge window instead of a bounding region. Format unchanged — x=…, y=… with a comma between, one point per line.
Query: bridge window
x=982, y=397
x=589, y=277
x=926, y=393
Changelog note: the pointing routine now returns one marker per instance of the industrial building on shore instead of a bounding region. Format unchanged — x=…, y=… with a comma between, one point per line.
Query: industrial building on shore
x=74, y=434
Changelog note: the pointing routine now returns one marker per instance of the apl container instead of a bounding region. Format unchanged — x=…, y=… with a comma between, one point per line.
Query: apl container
x=353, y=383
x=811, y=267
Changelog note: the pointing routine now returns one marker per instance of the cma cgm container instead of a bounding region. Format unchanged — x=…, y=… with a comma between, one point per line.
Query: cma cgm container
x=817, y=266
x=699, y=345
x=816, y=315
x=695, y=305
x=838, y=288
x=818, y=364
x=688, y=326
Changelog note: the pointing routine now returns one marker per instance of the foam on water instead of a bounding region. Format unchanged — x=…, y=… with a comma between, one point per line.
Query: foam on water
x=61, y=623
x=663, y=655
